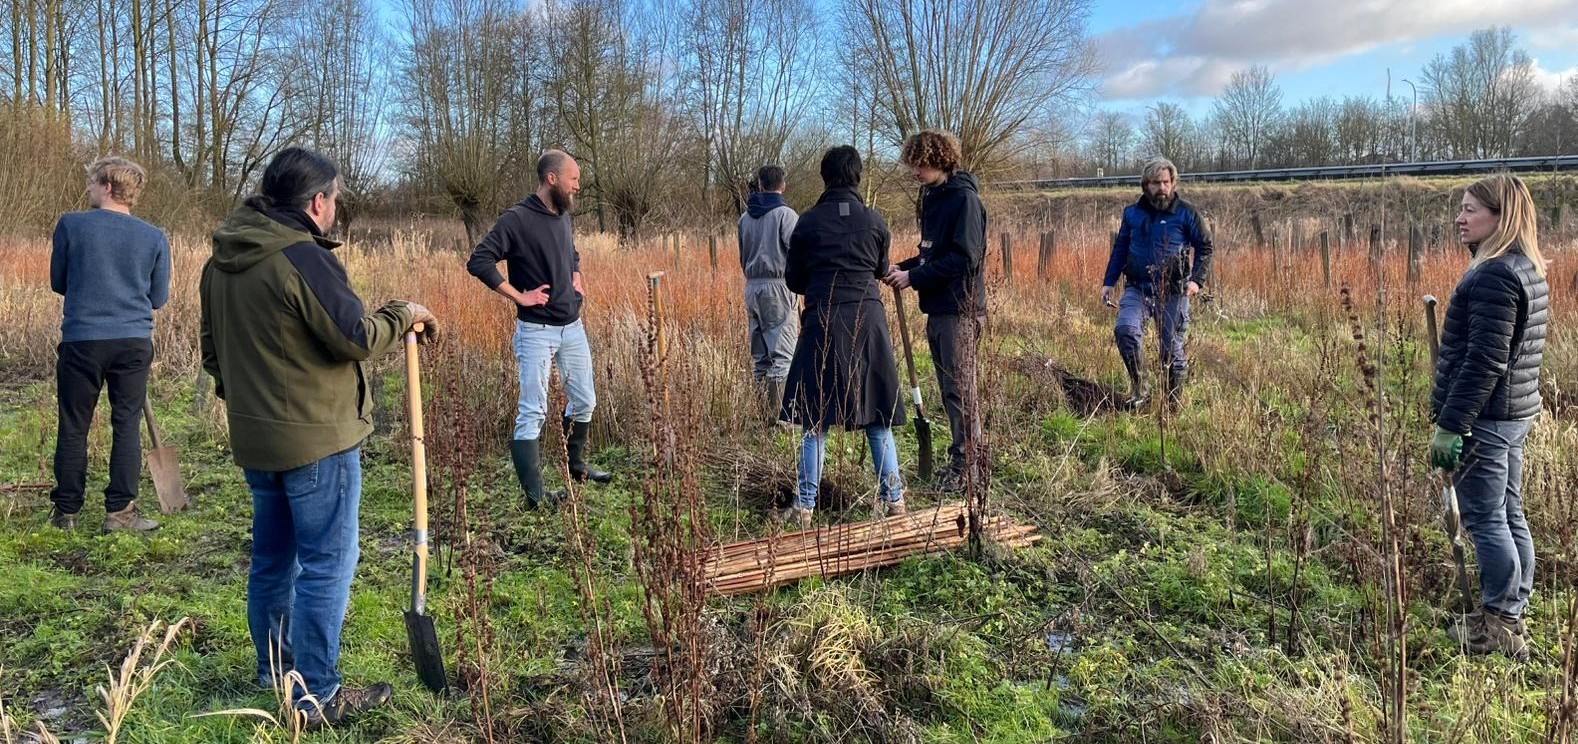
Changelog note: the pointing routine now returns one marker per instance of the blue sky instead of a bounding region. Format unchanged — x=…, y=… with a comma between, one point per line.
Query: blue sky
x=1185, y=51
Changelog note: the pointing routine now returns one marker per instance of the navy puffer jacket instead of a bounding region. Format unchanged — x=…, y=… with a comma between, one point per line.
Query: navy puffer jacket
x=1492, y=345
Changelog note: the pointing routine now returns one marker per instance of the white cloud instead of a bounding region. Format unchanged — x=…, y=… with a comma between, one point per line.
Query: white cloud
x=1554, y=37
x=1195, y=54
x=1552, y=80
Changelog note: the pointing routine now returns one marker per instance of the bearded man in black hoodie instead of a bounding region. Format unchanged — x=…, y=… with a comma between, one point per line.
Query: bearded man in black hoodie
x=950, y=278
x=535, y=240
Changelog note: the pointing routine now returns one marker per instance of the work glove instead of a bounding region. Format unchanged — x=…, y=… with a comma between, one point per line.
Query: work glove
x=1446, y=449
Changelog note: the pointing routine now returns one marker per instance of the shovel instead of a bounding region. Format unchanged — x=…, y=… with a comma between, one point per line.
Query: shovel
x=1451, y=516
x=164, y=465
x=419, y=629
x=923, y=469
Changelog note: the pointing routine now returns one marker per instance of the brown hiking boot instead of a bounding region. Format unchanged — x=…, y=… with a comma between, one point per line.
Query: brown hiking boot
x=894, y=508
x=1488, y=632
x=62, y=520
x=794, y=516
x=347, y=702
x=128, y=520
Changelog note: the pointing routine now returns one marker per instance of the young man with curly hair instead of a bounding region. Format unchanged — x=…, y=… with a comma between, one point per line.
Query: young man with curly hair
x=949, y=276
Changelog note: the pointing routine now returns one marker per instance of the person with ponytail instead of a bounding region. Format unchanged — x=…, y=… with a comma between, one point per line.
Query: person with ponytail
x=285, y=339
x=1485, y=400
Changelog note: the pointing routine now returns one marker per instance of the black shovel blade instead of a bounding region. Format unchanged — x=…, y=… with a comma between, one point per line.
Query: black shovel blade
x=425, y=652
x=923, y=468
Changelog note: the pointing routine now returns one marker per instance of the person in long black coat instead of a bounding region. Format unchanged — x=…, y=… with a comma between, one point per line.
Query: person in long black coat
x=1486, y=398
x=843, y=373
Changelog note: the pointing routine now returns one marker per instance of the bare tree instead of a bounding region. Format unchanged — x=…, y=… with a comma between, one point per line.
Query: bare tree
x=1168, y=132
x=1111, y=140
x=994, y=72
x=470, y=102
x=343, y=112
x=1249, y=109
x=1481, y=95
x=750, y=72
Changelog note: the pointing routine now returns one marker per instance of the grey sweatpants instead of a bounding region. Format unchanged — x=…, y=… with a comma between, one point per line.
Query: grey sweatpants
x=774, y=315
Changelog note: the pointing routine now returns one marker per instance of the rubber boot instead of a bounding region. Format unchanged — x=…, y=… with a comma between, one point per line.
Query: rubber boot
x=1175, y=385
x=1139, y=387
x=773, y=400
x=575, y=435
x=527, y=456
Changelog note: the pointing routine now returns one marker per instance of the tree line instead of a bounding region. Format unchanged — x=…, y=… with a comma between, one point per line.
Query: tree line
x=440, y=107
x=1481, y=99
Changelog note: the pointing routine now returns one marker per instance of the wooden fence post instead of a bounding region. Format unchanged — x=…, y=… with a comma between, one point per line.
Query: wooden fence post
x=712, y=249
x=1008, y=259
x=1325, y=257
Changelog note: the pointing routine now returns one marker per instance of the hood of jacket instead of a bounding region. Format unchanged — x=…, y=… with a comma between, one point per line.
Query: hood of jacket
x=762, y=202
x=254, y=232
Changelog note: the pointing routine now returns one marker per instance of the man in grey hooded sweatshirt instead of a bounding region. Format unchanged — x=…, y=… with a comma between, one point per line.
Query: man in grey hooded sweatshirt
x=769, y=305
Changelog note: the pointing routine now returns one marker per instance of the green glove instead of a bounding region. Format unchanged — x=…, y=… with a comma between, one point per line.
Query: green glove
x=1446, y=449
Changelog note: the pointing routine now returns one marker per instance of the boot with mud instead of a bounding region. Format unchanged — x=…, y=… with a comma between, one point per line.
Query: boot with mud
x=61, y=520
x=794, y=517
x=526, y=454
x=1481, y=632
x=346, y=703
x=576, y=434
x=1139, y=386
x=129, y=520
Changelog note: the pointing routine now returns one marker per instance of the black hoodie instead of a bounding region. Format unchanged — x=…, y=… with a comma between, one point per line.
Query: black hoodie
x=949, y=273
x=538, y=247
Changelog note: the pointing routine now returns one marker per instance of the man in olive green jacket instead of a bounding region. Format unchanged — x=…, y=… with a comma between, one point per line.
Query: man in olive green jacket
x=284, y=337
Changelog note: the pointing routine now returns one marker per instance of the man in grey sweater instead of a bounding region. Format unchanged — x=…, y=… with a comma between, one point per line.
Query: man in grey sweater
x=771, y=308
x=114, y=271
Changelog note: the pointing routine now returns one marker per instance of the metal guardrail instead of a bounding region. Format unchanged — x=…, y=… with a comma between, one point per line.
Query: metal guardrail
x=1378, y=170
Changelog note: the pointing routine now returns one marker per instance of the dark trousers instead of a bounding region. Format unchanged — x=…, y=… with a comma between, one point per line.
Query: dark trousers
x=83, y=369
x=954, y=342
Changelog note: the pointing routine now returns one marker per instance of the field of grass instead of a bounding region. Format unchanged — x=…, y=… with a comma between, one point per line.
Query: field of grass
x=1218, y=574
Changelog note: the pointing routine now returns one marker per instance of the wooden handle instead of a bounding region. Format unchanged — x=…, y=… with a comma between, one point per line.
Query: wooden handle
x=904, y=338
x=155, y=439
x=413, y=375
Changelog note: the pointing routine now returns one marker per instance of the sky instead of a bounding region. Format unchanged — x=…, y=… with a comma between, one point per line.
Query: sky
x=1185, y=52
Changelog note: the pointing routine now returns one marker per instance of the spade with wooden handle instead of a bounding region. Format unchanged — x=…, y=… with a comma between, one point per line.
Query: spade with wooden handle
x=1451, y=515
x=164, y=464
x=419, y=629
x=923, y=468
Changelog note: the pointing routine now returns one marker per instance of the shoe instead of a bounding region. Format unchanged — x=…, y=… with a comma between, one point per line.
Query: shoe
x=1489, y=632
x=128, y=520
x=893, y=508
x=951, y=479
x=772, y=402
x=62, y=520
x=526, y=455
x=576, y=433
x=794, y=515
x=346, y=703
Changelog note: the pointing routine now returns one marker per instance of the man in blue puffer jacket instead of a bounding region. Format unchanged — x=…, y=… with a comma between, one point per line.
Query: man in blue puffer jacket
x=1152, y=255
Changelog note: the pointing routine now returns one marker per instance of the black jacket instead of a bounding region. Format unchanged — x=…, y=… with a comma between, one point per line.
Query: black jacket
x=949, y=274
x=1491, y=345
x=838, y=250
x=538, y=247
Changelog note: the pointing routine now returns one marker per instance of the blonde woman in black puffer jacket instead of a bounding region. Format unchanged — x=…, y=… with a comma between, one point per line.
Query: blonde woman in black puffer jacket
x=1486, y=397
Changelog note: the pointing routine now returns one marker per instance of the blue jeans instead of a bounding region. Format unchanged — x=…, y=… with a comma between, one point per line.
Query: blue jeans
x=1489, y=494
x=884, y=455
x=1172, y=316
x=304, y=551
x=536, y=347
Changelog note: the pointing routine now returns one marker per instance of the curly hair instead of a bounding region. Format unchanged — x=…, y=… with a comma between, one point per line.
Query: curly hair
x=931, y=148
x=124, y=178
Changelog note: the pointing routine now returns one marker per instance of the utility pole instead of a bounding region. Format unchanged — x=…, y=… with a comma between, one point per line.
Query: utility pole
x=1413, y=124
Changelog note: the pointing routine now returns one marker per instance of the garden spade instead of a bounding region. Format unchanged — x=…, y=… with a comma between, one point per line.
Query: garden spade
x=923, y=469
x=164, y=464
x=1451, y=516
x=419, y=629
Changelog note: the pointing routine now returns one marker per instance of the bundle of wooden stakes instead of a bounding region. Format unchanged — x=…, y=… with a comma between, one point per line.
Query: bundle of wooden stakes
x=835, y=550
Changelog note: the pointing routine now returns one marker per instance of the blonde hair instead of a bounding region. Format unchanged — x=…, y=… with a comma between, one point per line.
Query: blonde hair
x=1517, y=224
x=1155, y=166
x=124, y=178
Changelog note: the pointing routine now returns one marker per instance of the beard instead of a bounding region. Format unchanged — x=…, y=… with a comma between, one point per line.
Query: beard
x=563, y=200
x=1159, y=201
